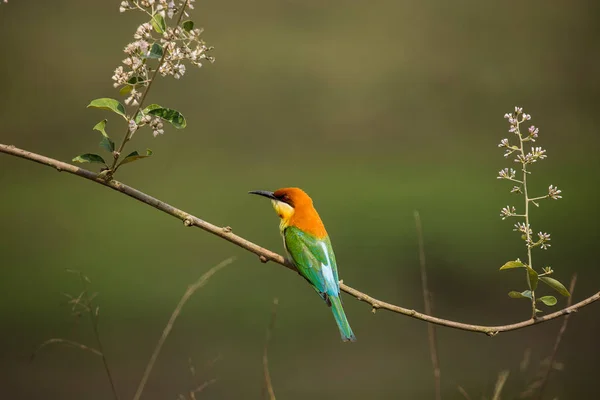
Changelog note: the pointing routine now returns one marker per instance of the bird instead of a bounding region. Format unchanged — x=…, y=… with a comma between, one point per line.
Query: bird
x=308, y=247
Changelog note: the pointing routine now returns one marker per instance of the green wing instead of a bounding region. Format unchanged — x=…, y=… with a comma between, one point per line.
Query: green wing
x=314, y=259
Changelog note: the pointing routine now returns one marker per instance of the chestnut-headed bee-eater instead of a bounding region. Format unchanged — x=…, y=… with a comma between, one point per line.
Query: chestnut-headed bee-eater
x=308, y=245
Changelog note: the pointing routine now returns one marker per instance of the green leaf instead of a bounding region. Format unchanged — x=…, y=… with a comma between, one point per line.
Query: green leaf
x=158, y=23
x=548, y=300
x=91, y=158
x=513, y=264
x=134, y=80
x=172, y=116
x=109, y=104
x=556, y=285
x=134, y=156
x=125, y=90
x=100, y=127
x=156, y=51
x=532, y=277
x=188, y=25
x=106, y=142
x=522, y=295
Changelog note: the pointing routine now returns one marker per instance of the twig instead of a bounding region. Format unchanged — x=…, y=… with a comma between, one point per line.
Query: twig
x=66, y=342
x=427, y=299
x=267, y=255
x=268, y=391
x=94, y=320
x=561, y=332
x=502, y=377
x=464, y=393
x=186, y=296
x=201, y=388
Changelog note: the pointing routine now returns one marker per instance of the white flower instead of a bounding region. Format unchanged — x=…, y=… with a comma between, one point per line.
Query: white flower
x=544, y=238
x=538, y=152
x=132, y=126
x=521, y=227
x=554, y=192
x=157, y=127
x=506, y=173
x=507, y=211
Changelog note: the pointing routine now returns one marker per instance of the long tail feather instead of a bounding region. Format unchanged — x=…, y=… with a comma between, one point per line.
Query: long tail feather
x=341, y=320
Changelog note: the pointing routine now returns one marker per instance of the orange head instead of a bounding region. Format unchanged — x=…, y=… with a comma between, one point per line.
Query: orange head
x=295, y=208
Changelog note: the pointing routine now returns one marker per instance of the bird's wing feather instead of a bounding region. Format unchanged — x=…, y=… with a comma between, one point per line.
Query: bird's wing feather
x=314, y=259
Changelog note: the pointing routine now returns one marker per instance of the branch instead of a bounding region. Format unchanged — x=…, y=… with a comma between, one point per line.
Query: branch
x=268, y=391
x=561, y=332
x=267, y=255
x=428, y=299
x=186, y=296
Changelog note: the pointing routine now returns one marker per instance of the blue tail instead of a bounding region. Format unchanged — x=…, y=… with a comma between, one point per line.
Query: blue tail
x=341, y=320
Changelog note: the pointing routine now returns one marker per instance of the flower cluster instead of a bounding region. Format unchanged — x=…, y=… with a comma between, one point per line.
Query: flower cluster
x=543, y=241
x=171, y=47
x=515, y=119
x=536, y=153
x=523, y=228
x=162, y=7
x=508, y=211
x=507, y=173
x=554, y=192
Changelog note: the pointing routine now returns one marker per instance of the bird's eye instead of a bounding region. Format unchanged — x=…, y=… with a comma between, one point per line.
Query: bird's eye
x=285, y=198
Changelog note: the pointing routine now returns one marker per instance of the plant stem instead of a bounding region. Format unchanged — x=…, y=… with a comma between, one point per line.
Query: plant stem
x=268, y=391
x=94, y=320
x=167, y=330
x=527, y=226
x=561, y=332
x=539, y=198
x=428, y=300
x=143, y=98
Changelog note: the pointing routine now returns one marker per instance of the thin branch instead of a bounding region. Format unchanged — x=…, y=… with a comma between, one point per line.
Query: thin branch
x=427, y=299
x=561, y=332
x=464, y=393
x=65, y=342
x=186, y=296
x=266, y=255
x=94, y=320
x=269, y=393
x=502, y=377
x=201, y=388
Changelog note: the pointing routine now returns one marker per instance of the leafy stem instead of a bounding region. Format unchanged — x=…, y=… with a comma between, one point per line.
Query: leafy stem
x=527, y=225
x=536, y=154
x=132, y=125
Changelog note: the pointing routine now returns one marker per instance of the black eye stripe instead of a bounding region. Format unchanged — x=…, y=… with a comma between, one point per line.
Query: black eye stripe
x=285, y=198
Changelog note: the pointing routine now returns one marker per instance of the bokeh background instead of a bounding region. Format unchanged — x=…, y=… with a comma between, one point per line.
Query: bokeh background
x=375, y=108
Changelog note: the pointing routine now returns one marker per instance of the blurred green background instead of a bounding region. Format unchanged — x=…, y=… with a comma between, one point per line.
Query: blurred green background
x=376, y=109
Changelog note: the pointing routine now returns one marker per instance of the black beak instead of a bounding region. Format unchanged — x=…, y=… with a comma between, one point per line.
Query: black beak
x=264, y=193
